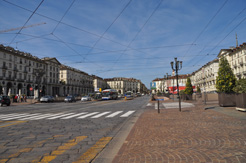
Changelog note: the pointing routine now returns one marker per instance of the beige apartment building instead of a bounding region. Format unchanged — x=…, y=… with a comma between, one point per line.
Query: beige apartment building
x=237, y=59
x=205, y=77
x=75, y=82
x=123, y=85
x=22, y=73
x=167, y=83
x=99, y=83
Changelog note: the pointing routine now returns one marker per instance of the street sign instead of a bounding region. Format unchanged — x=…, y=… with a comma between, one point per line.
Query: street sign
x=153, y=85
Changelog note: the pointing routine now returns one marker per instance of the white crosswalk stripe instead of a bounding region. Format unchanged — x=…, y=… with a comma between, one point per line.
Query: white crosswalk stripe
x=59, y=116
x=87, y=115
x=99, y=115
x=75, y=115
x=20, y=116
x=127, y=114
x=114, y=114
x=64, y=116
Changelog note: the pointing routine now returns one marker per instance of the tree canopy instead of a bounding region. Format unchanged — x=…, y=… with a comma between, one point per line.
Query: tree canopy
x=188, y=87
x=225, y=81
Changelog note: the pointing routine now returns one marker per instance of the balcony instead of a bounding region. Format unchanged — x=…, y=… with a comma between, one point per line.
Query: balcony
x=238, y=74
x=4, y=67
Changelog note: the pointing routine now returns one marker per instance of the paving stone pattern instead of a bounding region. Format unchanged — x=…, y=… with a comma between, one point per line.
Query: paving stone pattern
x=191, y=136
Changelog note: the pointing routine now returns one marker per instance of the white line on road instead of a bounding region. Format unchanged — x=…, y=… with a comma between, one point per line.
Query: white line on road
x=60, y=116
x=76, y=115
x=87, y=115
x=114, y=114
x=127, y=114
x=99, y=115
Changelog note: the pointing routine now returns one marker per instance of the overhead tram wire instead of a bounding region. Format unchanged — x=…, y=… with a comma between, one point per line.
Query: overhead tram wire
x=26, y=21
x=67, y=24
x=138, y=32
x=52, y=33
x=226, y=36
x=108, y=28
x=233, y=19
x=210, y=21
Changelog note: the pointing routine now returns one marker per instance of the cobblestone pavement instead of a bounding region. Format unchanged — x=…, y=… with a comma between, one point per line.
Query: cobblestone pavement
x=193, y=135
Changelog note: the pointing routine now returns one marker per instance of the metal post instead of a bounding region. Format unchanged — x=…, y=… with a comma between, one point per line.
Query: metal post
x=173, y=88
x=158, y=106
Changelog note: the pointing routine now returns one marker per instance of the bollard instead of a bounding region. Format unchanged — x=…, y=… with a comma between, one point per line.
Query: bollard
x=158, y=107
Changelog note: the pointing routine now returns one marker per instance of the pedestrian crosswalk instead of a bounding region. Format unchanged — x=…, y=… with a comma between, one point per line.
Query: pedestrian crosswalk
x=64, y=116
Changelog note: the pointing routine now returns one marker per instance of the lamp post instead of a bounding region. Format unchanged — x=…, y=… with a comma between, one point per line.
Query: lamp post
x=167, y=84
x=39, y=74
x=178, y=66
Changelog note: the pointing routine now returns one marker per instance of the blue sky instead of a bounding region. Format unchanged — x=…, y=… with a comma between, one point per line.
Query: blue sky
x=122, y=38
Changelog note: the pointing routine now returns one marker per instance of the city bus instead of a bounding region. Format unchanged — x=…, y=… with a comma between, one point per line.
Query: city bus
x=129, y=95
x=109, y=94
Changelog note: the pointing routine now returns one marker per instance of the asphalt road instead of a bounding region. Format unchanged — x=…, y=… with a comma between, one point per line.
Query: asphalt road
x=63, y=132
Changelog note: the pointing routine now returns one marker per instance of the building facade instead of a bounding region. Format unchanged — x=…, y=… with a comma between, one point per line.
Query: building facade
x=237, y=59
x=75, y=82
x=123, y=85
x=21, y=73
x=205, y=77
x=99, y=83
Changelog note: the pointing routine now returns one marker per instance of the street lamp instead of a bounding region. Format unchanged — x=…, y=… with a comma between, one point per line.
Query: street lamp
x=178, y=66
x=39, y=73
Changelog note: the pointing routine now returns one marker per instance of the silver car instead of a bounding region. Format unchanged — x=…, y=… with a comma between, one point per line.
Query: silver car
x=86, y=98
x=47, y=98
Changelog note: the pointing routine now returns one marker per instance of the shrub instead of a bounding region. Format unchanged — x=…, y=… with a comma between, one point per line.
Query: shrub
x=240, y=86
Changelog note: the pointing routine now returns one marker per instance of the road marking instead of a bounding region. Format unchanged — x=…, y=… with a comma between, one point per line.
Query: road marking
x=11, y=123
x=87, y=115
x=44, y=116
x=9, y=115
x=16, y=117
x=60, y=116
x=94, y=150
x=76, y=115
x=149, y=104
x=63, y=115
x=61, y=149
x=127, y=114
x=114, y=114
x=99, y=115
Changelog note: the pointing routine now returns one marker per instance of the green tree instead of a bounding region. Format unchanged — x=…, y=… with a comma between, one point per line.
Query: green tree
x=225, y=81
x=240, y=86
x=188, y=87
x=198, y=89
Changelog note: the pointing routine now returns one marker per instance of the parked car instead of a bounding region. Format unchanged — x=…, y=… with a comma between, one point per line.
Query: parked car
x=47, y=98
x=5, y=100
x=70, y=99
x=86, y=98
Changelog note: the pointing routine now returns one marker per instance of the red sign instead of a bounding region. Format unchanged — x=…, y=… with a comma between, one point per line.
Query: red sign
x=31, y=88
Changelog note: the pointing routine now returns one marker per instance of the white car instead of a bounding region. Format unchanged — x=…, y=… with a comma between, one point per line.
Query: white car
x=47, y=98
x=86, y=98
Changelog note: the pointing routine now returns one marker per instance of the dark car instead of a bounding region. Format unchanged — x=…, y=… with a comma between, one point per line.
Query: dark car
x=70, y=99
x=5, y=100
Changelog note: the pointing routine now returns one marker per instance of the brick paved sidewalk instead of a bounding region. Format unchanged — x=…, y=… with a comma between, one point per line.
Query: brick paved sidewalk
x=191, y=136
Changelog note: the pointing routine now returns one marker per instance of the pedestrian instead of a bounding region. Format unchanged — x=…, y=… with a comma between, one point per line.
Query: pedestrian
x=18, y=98
x=22, y=98
x=25, y=98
